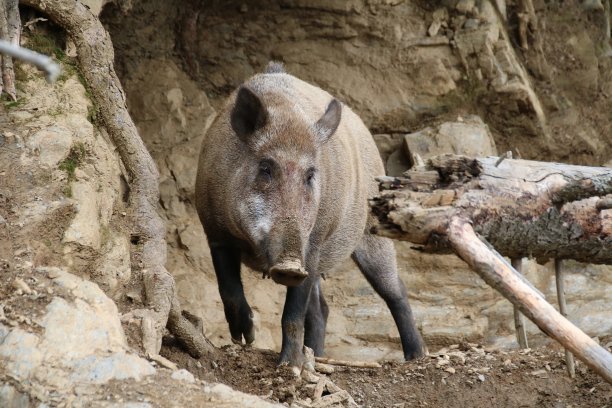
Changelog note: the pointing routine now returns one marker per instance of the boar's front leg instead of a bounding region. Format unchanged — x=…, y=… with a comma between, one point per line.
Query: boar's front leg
x=226, y=260
x=294, y=316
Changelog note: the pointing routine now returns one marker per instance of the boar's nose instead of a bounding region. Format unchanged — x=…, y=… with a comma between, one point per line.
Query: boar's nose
x=288, y=272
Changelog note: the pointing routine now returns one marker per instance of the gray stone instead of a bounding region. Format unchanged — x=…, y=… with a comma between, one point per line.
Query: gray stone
x=113, y=269
x=433, y=29
x=229, y=397
x=4, y=331
x=470, y=137
x=20, y=354
x=51, y=145
x=387, y=144
x=471, y=23
x=119, y=366
x=11, y=398
x=21, y=116
x=183, y=375
x=397, y=163
x=82, y=341
x=465, y=6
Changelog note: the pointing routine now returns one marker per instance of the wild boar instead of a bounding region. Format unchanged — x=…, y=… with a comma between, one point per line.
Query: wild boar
x=284, y=175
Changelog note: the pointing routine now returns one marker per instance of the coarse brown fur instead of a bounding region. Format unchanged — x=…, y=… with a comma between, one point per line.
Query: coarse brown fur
x=349, y=163
x=284, y=176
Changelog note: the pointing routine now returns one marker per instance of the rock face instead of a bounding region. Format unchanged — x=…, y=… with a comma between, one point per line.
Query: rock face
x=468, y=136
x=398, y=64
x=388, y=63
x=61, y=337
x=82, y=340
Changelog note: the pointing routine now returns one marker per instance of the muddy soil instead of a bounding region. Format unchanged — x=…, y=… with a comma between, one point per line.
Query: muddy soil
x=463, y=375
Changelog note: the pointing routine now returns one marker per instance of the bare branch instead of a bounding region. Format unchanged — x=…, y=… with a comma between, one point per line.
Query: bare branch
x=43, y=62
x=500, y=275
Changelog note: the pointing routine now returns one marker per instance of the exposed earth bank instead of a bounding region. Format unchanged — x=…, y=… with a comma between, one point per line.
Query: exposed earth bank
x=445, y=71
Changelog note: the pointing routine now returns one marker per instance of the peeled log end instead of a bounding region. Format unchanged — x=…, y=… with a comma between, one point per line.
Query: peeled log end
x=288, y=273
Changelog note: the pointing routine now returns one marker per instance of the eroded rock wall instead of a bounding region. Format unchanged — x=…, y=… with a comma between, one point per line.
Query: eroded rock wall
x=64, y=252
x=399, y=65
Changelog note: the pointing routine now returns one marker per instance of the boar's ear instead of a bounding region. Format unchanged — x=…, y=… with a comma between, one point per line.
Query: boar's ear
x=328, y=123
x=248, y=114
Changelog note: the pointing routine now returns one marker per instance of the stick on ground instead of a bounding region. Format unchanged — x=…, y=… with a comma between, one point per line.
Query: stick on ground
x=345, y=363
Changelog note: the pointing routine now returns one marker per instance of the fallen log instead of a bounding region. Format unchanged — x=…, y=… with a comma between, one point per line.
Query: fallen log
x=484, y=208
x=523, y=208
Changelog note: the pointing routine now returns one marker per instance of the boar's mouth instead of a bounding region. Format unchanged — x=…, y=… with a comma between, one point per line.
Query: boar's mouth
x=288, y=272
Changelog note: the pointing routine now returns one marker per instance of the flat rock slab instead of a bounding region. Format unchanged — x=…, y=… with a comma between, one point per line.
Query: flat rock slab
x=468, y=136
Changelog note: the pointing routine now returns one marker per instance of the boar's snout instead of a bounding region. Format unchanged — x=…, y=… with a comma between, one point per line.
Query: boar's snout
x=289, y=272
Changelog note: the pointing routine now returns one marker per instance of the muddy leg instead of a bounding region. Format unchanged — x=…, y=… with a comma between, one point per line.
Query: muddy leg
x=375, y=257
x=316, y=320
x=294, y=315
x=238, y=314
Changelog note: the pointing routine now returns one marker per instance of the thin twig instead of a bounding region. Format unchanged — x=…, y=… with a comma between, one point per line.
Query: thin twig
x=507, y=155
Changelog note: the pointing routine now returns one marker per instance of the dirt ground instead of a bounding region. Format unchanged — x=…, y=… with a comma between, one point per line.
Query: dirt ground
x=464, y=375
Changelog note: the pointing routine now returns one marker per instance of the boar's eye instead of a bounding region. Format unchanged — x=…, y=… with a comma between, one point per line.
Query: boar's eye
x=265, y=169
x=310, y=174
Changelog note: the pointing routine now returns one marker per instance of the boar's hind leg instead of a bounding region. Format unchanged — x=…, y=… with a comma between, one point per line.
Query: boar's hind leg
x=238, y=314
x=375, y=257
x=316, y=320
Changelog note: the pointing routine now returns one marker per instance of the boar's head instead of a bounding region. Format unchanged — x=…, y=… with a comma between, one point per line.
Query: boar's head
x=278, y=206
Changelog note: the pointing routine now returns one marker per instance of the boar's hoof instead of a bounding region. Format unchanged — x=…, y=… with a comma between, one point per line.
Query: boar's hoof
x=288, y=273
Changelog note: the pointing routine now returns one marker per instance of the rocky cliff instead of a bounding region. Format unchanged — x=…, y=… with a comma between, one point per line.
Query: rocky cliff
x=402, y=66
x=448, y=71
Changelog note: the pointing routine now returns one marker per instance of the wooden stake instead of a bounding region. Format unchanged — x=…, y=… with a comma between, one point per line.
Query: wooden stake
x=519, y=322
x=498, y=273
x=569, y=357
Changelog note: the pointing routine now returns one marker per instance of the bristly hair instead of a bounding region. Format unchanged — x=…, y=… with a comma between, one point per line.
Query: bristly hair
x=275, y=67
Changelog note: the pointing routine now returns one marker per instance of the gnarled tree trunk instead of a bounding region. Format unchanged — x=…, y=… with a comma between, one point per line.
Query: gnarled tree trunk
x=95, y=56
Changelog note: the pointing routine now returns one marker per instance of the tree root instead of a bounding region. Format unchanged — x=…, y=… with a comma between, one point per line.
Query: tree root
x=95, y=56
x=10, y=30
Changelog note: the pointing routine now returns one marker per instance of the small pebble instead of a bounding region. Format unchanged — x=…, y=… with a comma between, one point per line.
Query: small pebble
x=20, y=285
x=324, y=368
